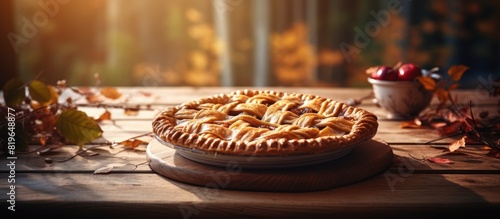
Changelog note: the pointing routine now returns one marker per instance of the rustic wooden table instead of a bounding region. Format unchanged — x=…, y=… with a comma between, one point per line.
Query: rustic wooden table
x=409, y=188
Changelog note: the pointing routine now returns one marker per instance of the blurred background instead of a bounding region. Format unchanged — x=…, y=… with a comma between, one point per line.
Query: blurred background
x=244, y=42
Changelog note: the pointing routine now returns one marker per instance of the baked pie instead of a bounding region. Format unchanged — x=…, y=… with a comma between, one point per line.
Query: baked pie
x=264, y=123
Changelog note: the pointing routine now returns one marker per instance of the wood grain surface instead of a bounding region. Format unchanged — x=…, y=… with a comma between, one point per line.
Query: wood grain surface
x=410, y=187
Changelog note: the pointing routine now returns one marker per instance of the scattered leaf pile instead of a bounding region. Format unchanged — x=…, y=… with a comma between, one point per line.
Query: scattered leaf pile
x=452, y=119
x=41, y=117
x=442, y=87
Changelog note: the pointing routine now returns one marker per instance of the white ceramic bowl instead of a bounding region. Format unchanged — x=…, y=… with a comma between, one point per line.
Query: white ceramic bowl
x=402, y=99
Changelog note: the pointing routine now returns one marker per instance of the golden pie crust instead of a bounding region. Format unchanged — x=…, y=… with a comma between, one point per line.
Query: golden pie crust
x=264, y=123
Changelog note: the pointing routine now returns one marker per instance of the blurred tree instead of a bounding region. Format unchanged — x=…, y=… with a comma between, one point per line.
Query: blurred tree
x=246, y=43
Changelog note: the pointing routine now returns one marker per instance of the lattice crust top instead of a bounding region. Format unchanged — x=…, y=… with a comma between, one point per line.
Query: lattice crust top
x=264, y=123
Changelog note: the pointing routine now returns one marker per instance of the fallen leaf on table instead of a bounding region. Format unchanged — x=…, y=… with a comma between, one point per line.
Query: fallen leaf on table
x=104, y=116
x=456, y=144
x=131, y=111
x=132, y=143
x=39, y=91
x=77, y=127
x=440, y=160
x=452, y=128
x=413, y=124
x=111, y=93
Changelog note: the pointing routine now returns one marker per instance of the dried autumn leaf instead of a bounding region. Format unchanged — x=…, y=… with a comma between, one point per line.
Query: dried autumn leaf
x=132, y=143
x=415, y=124
x=13, y=92
x=44, y=122
x=39, y=91
x=440, y=160
x=111, y=93
x=456, y=72
x=77, y=127
x=452, y=128
x=427, y=82
x=104, y=116
x=456, y=144
x=131, y=111
x=441, y=94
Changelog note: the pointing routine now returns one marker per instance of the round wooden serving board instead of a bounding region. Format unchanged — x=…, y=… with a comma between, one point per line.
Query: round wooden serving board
x=364, y=161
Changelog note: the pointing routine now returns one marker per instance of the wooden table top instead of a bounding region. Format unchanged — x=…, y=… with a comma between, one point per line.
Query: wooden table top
x=411, y=187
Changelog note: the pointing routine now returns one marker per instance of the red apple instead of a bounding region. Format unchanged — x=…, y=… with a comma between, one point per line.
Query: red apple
x=385, y=73
x=408, y=72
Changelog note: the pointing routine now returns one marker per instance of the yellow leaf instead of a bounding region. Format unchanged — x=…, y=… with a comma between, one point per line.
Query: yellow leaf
x=456, y=71
x=77, y=127
x=111, y=93
x=54, y=96
x=39, y=91
x=427, y=82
